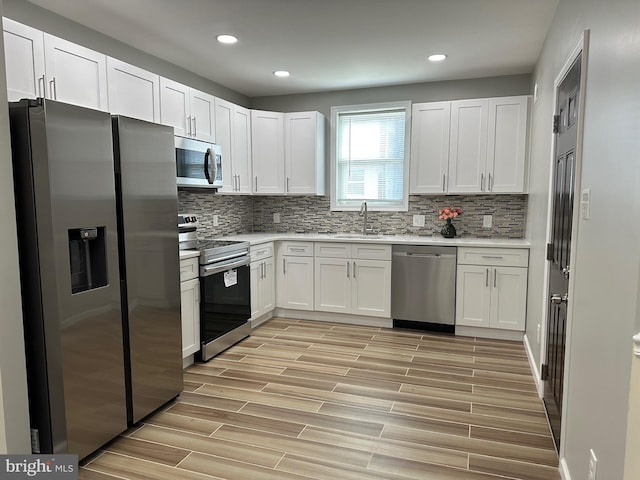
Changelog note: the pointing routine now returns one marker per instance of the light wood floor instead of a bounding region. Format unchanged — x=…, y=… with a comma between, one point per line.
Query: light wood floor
x=313, y=400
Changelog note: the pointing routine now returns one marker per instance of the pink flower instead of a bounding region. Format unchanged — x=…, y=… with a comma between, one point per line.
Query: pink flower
x=448, y=213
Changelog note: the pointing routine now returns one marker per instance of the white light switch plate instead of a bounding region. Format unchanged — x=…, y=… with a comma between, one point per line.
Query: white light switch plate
x=585, y=203
x=487, y=221
x=216, y=220
x=418, y=220
x=276, y=218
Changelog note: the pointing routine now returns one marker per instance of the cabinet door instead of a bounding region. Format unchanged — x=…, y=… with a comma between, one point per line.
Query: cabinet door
x=267, y=287
x=468, y=146
x=295, y=282
x=241, y=148
x=174, y=106
x=430, y=147
x=508, y=298
x=255, y=272
x=224, y=127
x=202, y=109
x=190, y=314
x=132, y=91
x=24, y=60
x=76, y=74
x=267, y=152
x=333, y=285
x=371, y=288
x=473, y=296
x=506, y=145
x=304, y=153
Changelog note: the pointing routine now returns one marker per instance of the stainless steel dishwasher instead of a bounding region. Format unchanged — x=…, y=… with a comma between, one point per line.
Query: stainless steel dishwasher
x=423, y=287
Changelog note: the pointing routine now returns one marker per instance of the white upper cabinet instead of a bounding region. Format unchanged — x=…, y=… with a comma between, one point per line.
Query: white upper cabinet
x=430, y=126
x=75, y=74
x=190, y=112
x=304, y=153
x=233, y=134
x=24, y=59
x=267, y=152
x=507, y=144
x=468, y=146
x=133, y=92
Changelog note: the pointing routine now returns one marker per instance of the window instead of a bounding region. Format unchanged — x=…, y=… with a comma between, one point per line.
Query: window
x=370, y=152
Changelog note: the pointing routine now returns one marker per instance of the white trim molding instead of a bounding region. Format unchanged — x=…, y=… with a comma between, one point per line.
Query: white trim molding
x=636, y=344
x=564, y=469
x=534, y=368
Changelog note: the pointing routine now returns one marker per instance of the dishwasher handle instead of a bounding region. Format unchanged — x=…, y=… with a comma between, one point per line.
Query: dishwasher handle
x=424, y=255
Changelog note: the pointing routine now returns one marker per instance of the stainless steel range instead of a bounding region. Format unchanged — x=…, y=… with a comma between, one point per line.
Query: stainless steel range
x=225, y=295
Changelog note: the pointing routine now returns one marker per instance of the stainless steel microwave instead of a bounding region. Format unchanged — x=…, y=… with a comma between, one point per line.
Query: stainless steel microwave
x=198, y=163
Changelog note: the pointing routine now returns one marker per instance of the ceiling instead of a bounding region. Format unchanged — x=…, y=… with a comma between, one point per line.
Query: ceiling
x=325, y=44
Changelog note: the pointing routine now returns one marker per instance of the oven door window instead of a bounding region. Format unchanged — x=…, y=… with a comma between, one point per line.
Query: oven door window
x=224, y=308
x=190, y=164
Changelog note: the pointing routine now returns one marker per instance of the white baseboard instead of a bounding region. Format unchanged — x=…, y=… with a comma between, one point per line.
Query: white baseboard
x=564, y=469
x=335, y=317
x=492, y=333
x=534, y=368
x=256, y=322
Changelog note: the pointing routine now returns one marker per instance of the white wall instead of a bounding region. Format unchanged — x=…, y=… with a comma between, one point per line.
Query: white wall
x=14, y=414
x=607, y=258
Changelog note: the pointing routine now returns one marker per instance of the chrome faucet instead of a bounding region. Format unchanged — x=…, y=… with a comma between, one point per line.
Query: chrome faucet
x=363, y=213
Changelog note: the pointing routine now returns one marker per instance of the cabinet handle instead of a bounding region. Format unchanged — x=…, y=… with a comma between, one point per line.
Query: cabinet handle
x=348, y=265
x=490, y=183
x=263, y=270
x=41, y=87
x=354, y=269
x=53, y=90
x=296, y=249
x=482, y=182
x=256, y=190
x=495, y=257
x=287, y=184
x=444, y=181
x=195, y=127
x=237, y=188
x=486, y=279
x=189, y=126
x=495, y=272
x=284, y=266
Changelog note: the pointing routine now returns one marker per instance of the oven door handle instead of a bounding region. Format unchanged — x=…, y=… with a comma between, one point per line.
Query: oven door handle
x=213, y=269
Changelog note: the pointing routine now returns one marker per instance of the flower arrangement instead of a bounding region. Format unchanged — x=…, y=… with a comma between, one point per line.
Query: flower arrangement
x=448, y=213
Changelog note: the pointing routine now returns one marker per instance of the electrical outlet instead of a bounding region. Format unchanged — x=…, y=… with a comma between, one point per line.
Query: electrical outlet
x=418, y=220
x=216, y=220
x=593, y=464
x=487, y=221
x=276, y=218
x=539, y=334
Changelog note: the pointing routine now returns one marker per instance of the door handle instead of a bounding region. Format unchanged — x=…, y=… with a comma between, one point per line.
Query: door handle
x=557, y=299
x=566, y=270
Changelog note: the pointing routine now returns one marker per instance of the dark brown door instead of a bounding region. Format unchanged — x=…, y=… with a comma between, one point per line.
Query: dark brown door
x=560, y=247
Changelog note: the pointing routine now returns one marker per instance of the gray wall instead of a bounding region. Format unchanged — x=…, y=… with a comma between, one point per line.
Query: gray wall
x=14, y=414
x=37, y=17
x=607, y=259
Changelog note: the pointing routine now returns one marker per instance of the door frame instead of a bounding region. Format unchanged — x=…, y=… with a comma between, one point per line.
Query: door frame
x=581, y=47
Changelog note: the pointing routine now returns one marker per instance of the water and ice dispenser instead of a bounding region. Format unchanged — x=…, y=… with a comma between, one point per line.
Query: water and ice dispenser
x=88, y=258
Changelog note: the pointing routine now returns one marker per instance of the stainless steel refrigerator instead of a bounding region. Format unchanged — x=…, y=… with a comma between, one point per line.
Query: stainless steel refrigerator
x=84, y=377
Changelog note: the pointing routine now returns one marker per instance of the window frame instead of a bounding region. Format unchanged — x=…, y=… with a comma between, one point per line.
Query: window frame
x=372, y=107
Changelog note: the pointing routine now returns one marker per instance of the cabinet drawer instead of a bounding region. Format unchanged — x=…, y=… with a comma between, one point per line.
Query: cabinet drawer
x=260, y=252
x=507, y=257
x=299, y=249
x=332, y=250
x=188, y=269
x=371, y=251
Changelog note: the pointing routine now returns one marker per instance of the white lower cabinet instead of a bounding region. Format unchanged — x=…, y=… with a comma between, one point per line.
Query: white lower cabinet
x=294, y=278
x=492, y=288
x=351, y=279
x=190, y=312
x=263, y=287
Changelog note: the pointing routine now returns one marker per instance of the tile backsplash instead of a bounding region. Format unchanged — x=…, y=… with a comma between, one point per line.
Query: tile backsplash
x=242, y=214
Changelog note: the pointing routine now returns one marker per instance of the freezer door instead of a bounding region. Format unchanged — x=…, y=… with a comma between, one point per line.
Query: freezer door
x=146, y=178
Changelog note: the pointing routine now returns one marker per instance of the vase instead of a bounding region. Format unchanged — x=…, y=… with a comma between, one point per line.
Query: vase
x=448, y=230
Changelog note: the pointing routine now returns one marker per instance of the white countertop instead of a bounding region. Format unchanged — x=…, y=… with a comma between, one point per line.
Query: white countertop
x=184, y=254
x=258, y=238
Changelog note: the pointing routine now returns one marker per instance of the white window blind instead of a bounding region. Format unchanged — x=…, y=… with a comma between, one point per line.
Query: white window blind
x=370, y=159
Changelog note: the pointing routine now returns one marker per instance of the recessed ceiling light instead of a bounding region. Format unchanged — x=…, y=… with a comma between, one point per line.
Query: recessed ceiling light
x=436, y=57
x=227, y=39
x=281, y=73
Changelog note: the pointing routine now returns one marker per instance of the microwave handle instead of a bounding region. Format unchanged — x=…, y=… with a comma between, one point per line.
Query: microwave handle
x=207, y=156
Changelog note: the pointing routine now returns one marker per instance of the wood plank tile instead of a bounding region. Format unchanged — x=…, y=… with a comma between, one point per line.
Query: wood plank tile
x=283, y=379
x=222, y=380
x=299, y=446
x=421, y=423
x=248, y=453
x=400, y=379
x=350, y=440
x=511, y=437
x=422, y=453
x=513, y=469
x=180, y=422
x=505, y=412
x=351, y=364
x=124, y=467
x=153, y=452
x=188, y=386
x=194, y=398
x=323, y=470
x=87, y=474
x=280, y=427
x=246, y=366
x=422, y=470
x=528, y=386
x=301, y=371
x=316, y=419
